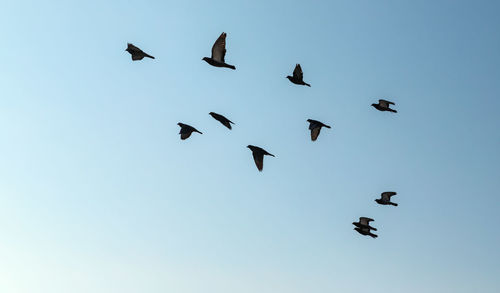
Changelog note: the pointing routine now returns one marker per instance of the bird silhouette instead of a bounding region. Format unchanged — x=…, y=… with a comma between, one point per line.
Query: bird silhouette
x=186, y=130
x=137, y=54
x=226, y=122
x=364, y=222
x=384, y=105
x=315, y=127
x=385, y=198
x=298, y=76
x=218, y=53
x=365, y=231
x=258, y=156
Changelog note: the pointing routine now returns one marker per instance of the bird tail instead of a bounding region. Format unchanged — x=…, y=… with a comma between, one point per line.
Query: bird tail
x=373, y=235
x=305, y=83
x=392, y=110
x=149, y=56
x=394, y=204
x=199, y=132
x=231, y=66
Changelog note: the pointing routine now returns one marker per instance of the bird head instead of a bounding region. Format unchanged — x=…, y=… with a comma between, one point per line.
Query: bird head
x=289, y=77
x=373, y=105
x=180, y=124
x=205, y=59
x=211, y=113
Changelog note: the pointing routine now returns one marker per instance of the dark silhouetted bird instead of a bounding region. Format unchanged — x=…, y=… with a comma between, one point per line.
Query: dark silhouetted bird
x=385, y=198
x=186, y=130
x=258, y=156
x=365, y=231
x=364, y=222
x=137, y=54
x=383, y=105
x=226, y=122
x=298, y=76
x=315, y=127
x=218, y=53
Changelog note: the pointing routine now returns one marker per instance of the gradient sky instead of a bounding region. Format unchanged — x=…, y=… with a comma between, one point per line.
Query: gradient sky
x=99, y=194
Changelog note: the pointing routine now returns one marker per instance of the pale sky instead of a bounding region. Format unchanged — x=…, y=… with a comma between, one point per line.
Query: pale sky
x=98, y=193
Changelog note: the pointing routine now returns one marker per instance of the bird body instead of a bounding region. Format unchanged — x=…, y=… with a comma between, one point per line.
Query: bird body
x=384, y=105
x=218, y=53
x=315, y=127
x=298, y=76
x=258, y=156
x=385, y=198
x=186, y=130
x=136, y=53
x=365, y=231
x=217, y=63
x=226, y=122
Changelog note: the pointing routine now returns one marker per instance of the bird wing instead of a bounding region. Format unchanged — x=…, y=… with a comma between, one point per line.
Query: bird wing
x=185, y=133
x=219, y=48
x=365, y=221
x=137, y=56
x=387, y=195
x=258, y=157
x=131, y=47
x=297, y=72
x=385, y=103
x=186, y=130
x=315, y=133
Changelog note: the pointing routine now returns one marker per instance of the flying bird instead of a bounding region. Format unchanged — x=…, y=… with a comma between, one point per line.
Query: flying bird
x=364, y=222
x=384, y=105
x=365, y=231
x=186, y=130
x=226, y=122
x=298, y=76
x=218, y=53
x=385, y=198
x=258, y=156
x=315, y=127
x=137, y=54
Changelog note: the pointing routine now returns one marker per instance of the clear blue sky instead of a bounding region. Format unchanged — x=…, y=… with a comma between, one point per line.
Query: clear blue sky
x=99, y=194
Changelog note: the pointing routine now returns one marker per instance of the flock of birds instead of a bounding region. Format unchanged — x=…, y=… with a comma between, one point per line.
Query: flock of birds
x=363, y=225
x=217, y=59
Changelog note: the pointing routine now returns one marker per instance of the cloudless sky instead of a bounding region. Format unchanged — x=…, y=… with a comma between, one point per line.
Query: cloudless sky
x=99, y=194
